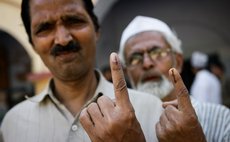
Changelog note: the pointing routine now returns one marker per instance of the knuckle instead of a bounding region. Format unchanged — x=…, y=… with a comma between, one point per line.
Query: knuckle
x=169, y=108
x=102, y=99
x=127, y=118
x=120, y=85
x=83, y=116
x=162, y=116
x=193, y=119
x=130, y=118
x=161, y=134
x=92, y=106
x=183, y=90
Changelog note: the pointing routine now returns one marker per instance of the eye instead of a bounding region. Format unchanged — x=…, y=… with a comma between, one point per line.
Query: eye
x=135, y=59
x=154, y=54
x=163, y=54
x=43, y=28
x=159, y=54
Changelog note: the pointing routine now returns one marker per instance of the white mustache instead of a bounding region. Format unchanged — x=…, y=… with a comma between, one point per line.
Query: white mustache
x=150, y=73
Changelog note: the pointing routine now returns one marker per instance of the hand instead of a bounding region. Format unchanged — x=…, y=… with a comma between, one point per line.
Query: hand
x=112, y=120
x=179, y=123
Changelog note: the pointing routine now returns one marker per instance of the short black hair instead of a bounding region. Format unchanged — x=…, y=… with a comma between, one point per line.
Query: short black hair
x=214, y=60
x=25, y=15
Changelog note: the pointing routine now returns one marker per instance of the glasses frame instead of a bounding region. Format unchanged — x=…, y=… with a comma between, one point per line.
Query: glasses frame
x=156, y=56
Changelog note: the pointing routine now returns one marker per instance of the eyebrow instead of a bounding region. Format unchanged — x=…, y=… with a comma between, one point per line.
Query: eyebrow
x=139, y=51
x=69, y=16
x=42, y=25
x=72, y=14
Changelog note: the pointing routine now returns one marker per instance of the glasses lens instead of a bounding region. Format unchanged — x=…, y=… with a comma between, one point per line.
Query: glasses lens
x=159, y=54
x=135, y=59
x=154, y=54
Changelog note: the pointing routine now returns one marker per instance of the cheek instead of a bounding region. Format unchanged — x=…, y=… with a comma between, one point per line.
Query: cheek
x=87, y=38
x=42, y=45
x=134, y=76
x=165, y=66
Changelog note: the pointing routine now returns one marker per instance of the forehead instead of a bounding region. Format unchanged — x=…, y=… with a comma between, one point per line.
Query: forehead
x=145, y=36
x=55, y=8
x=146, y=39
x=53, y=3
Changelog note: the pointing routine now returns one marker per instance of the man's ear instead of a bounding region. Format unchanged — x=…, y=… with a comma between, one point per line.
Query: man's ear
x=179, y=62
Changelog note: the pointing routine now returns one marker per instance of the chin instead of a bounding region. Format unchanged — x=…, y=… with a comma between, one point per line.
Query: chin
x=161, y=88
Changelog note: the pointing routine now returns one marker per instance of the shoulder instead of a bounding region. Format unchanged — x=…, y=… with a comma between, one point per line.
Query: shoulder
x=213, y=112
x=19, y=108
x=210, y=107
x=217, y=109
x=215, y=120
x=19, y=113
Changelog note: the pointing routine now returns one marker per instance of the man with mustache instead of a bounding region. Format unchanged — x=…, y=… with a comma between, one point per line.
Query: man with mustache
x=148, y=49
x=79, y=105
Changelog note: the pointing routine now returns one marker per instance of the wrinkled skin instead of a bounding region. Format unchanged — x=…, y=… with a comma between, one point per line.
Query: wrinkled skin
x=179, y=122
x=112, y=120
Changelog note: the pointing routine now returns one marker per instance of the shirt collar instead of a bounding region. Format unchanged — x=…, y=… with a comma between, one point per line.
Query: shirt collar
x=41, y=96
x=104, y=88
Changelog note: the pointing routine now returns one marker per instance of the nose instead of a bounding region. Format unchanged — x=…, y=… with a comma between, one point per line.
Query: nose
x=62, y=36
x=148, y=63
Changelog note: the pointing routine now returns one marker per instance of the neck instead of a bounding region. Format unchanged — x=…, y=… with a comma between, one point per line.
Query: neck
x=74, y=94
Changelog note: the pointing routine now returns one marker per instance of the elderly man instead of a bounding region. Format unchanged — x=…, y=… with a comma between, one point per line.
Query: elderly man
x=148, y=49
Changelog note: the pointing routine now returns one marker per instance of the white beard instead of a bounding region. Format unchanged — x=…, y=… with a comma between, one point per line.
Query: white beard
x=160, y=89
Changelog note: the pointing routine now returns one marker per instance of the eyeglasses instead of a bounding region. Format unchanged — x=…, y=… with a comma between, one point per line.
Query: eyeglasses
x=155, y=54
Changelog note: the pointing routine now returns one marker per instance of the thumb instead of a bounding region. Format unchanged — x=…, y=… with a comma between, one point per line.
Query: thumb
x=184, y=102
x=120, y=89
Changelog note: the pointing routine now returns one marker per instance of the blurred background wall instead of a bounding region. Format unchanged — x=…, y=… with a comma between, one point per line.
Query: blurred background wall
x=202, y=25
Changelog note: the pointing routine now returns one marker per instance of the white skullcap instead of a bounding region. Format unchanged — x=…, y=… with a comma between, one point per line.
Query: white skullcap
x=140, y=24
x=199, y=59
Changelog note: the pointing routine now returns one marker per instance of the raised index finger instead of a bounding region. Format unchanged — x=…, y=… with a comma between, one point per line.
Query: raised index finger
x=120, y=89
x=184, y=103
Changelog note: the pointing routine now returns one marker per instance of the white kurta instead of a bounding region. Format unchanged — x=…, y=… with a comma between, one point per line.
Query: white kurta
x=206, y=87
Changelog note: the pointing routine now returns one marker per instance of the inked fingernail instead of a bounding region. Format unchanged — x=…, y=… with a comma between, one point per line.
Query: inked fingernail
x=98, y=96
x=114, y=58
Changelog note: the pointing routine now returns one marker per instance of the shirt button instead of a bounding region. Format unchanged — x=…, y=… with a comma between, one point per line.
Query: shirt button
x=74, y=128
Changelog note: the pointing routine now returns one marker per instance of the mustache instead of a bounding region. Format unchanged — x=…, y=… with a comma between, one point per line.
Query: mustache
x=72, y=46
